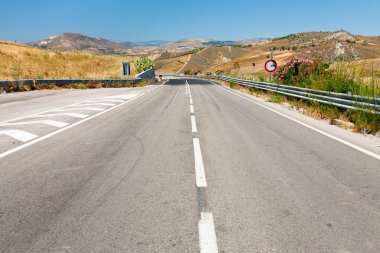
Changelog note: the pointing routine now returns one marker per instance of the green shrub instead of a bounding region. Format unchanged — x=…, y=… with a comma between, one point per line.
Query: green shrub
x=365, y=121
x=143, y=64
x=276, y=98
x=317, y=75
x=328, y=111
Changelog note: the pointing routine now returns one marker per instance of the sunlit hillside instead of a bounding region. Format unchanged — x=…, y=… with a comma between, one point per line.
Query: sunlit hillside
x=360, y=53
x=25, y=62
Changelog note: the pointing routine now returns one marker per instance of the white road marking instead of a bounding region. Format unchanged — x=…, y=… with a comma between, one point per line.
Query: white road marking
x=67, y=127
x=89, y=104
x=70, y=114
x=80, y=108
x=206, y=228
x=367, y=152
x=193, y=124
x=207, y=236
x=54, y=123
x=19, y=135
x=106, y=100
x=200, y=175
x=191, y=109
x=126, y=96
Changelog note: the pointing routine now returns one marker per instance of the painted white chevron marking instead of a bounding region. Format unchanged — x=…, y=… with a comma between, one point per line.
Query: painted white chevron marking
x=79, y=108
x=126, y=96
x=53, y=123
x=70, y=114
x=91, y=103
x=19, y=135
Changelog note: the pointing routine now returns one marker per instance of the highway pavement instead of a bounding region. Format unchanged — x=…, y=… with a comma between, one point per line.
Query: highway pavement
x=183, y=166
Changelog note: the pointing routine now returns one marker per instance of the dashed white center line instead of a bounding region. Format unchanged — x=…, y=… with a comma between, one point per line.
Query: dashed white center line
x=193, y=124
x=207, y=236
x=206, y=228
x=199, y=169
x=19, y=135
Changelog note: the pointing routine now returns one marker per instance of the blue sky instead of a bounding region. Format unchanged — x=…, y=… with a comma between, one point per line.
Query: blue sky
x=126, y=20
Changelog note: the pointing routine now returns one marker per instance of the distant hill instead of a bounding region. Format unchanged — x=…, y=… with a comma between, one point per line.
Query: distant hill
x=330, y=47
x=151, y=43
x=79, y=42
x=181, y=45
x=185, y=45
x=249, y=56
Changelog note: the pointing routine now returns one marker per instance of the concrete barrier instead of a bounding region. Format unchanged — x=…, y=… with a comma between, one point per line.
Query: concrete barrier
x=148, y=74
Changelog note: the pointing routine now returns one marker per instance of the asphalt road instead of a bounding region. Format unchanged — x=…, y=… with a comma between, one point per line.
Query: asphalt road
x=180, y=168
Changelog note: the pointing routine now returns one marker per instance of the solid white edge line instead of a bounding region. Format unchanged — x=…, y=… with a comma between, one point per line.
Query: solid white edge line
x=367, y=152
x=191, y=101
x=200, y=175
x=207, y=236
x=193, y=124
x=68, y=127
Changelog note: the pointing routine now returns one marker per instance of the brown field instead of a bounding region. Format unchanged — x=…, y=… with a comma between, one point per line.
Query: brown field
x=171, y=65
x=204, y=60
x=26, y=62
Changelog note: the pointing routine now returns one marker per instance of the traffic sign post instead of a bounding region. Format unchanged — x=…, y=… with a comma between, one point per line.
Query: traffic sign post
x=126, y=68
x=270, y=65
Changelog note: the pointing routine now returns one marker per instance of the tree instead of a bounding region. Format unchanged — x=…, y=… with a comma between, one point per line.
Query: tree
x=143, y=64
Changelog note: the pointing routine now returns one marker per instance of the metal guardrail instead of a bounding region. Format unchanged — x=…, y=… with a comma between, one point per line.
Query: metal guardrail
x=149, y=74
x=342, y=100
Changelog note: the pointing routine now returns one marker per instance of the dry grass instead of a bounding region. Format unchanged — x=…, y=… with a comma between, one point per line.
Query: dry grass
x=205, y=59
x=171, y=65
x=25, y=62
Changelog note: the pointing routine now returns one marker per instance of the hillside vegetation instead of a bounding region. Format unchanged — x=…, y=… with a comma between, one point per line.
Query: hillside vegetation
x=26, y=62
x=360, y=54
x=330, y=47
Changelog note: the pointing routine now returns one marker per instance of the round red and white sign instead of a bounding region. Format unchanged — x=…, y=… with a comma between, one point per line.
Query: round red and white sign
x=270, y=65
